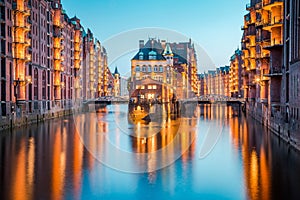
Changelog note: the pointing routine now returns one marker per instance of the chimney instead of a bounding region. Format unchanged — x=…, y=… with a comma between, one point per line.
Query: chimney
x=163, y=44
x=141, y=44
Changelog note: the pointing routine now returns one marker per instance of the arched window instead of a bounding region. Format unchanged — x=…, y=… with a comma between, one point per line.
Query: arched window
x=35, y=84
x=144, y=69
x=44, y=84
x=155, y=68
x=137, y=68
x=149, y=68
x=161, y=69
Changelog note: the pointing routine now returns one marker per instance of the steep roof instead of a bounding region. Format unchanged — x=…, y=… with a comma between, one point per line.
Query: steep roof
x=116, y=71
x=168, y=50
x=152, y=46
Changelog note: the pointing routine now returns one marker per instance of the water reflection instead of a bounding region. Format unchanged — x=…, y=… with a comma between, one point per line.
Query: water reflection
x=49, y=160
x=141, y=145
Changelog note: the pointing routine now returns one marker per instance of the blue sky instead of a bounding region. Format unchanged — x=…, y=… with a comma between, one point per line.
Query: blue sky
x=215, y=25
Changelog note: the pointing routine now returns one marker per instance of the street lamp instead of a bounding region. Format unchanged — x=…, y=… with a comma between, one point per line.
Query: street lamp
x=20, y=83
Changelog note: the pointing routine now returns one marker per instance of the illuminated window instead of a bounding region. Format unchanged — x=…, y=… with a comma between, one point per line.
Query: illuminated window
x=142, y=87
x=146, y=76
x=149, y=87
x=154, y=87
x=155, y=68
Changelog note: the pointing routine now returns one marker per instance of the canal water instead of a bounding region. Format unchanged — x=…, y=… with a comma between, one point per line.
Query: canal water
x=209, y=152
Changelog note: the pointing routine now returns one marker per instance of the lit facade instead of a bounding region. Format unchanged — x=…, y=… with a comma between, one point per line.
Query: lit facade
x=271, y=65
x=161, y=70
x=21, y=42
x=43, y=57
x=78, y=55
x=152, y=72
x=95, y=70
x=262, y=46
x=235, y=75
x=215, y=82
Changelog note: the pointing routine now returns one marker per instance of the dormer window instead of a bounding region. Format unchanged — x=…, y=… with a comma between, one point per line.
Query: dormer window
x=141, y=56
x=152, y=55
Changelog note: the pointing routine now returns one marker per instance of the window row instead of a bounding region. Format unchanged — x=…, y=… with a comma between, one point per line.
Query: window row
x=149, y=68
x=149, y=87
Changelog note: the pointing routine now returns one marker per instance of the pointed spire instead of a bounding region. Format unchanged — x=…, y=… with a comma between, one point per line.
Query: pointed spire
x=168, y=50
x=116, y=71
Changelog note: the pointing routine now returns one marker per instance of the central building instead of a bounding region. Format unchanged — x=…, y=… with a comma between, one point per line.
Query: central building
x=161, y=71
x=152, y=72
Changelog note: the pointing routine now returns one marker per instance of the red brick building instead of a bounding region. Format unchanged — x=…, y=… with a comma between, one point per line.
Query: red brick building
x=48, y=62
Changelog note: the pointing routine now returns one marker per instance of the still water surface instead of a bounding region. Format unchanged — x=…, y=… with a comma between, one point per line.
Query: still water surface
x=60, y=159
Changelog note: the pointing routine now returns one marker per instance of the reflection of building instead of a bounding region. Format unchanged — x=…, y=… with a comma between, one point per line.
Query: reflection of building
x=235, y=74
x=161, y=69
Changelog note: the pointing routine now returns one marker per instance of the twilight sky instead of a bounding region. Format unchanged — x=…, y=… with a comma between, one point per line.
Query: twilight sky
x=213, y=25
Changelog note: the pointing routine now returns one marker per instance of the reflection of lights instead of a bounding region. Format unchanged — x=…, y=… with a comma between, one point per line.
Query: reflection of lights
x=254, y=174
x=138, y=108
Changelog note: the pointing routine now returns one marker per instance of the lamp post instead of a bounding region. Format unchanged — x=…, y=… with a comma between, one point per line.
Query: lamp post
x=20, y=83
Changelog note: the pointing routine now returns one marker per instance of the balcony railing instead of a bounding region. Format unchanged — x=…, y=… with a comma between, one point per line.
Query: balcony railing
x=21, y=7
x=26, y=42
x=57, y=83
x=20, y=56
x=22, y=24
x=262, y=55
x=275, y=42
x=275, y=70
x=274, y=21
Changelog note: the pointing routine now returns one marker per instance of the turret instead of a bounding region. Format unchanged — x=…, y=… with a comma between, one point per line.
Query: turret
x=168, y=54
